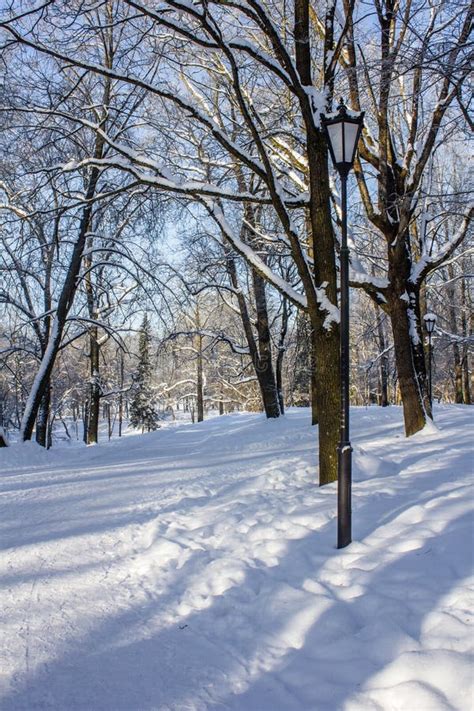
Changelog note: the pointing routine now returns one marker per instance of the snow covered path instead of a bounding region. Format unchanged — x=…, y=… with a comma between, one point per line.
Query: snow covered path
x=195, y=568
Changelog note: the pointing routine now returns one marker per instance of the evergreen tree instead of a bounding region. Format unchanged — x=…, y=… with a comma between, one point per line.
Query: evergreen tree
x=142, y=407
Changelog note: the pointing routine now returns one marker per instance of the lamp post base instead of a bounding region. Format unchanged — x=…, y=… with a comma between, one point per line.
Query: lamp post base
x=344, y=508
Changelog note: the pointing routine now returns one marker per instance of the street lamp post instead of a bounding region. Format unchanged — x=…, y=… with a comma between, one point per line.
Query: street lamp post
x=342, y=132
x=430, y=324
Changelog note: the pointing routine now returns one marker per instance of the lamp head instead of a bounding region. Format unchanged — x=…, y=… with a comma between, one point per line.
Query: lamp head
x=342, y=131
x=430, y=322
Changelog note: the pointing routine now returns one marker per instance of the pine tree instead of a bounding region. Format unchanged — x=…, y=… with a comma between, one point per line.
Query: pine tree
x=142, y=407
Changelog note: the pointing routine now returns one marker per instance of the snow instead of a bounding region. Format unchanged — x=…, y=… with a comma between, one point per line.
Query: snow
x=195, y=568
x=318, y=100
x=413, y=327
x=324, y=304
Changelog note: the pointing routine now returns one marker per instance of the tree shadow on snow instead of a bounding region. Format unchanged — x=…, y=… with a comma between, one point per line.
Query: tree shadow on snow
x=143, y=659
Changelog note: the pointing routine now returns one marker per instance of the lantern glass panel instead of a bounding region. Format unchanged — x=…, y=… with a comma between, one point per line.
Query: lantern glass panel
x=351, y=131
x=335, y=137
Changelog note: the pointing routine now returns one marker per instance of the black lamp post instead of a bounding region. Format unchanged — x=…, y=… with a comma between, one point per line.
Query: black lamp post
x=430, y=324
x=342, y=132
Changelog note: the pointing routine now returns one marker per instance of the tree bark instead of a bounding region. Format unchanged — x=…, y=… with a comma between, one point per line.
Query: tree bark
x=94, y=387
x=313, y=383
x=120, y=406
x=410, y=394
x=326, y=338
x=326, y=341
x=280, y=356
x=383, y=365
x=199, y=370
x=264, y=364
x=403, y=308
x=466, y=330
x=458, y=374
x=42, y=417
x=94, y=351
x=85, y=420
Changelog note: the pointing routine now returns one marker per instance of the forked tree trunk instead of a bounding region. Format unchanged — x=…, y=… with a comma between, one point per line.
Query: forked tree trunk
x=260, y=352
x=65, y=301
x=68, y=290
x=261, y=360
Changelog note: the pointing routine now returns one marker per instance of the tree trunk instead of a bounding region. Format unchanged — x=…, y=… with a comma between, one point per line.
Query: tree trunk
x=94, y=388
x=403, y=307
x=199, y=370
x=466, y=330
x=264, y=364
x=280, y=356
x=303, y=370
x=326, y=340
x=120, y=407
x=420, y=358
x=383, y=362
x=200, y=385
x=65, y=301
x=42, y=418
x=466, y=380
x=109, y=422
x=410, y=392
x=313, y=381
x=458, y=375
x=85, y=421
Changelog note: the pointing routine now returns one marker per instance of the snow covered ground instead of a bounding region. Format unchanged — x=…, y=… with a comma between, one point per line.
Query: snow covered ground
x=195, y=568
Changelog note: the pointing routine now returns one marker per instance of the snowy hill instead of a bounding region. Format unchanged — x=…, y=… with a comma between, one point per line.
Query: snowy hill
x=195, y=568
